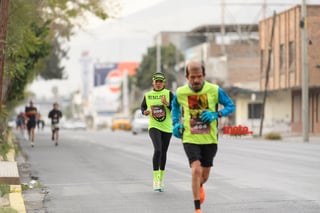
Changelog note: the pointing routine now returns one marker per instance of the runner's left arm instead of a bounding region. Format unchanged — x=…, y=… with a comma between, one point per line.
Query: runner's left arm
x=225, y=100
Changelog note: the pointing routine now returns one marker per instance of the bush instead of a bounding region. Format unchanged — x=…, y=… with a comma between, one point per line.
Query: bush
x=4, y=189
x=8, y=210
x=4, y=149
x=273, y=136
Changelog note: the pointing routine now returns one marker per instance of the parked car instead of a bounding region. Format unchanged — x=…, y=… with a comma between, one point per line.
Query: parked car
x=121, y=122
x=139, y=122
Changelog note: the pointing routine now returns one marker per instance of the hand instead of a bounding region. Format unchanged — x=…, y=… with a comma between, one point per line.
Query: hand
x=208, y=117
x=146, y=112
x=177, y=130
x=164, y=101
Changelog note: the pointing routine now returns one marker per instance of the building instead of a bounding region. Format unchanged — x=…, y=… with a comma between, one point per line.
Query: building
x=232, y=61
x=285, y=75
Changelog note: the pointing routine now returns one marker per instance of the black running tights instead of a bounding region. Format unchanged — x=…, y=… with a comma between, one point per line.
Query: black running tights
x=161, y=141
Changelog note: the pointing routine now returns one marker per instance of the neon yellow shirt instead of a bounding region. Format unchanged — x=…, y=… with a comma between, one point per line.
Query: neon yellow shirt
x=193, y=103
x=160, y=116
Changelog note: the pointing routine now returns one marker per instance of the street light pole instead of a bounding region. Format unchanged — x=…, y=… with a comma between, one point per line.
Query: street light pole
x=305, y=74
x=158, y=52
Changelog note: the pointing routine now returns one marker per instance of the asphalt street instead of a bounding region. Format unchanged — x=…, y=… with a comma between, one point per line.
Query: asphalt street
x=104, y=172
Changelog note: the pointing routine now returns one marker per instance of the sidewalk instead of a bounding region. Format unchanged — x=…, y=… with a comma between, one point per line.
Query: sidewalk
x=298, y=138
x=9, y=174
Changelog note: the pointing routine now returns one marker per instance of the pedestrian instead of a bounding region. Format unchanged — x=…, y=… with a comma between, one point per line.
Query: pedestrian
x=20, y=122
x=40, y=121
x=31, y=113
x=156, y=105
x=55, y=114
x=195, y=117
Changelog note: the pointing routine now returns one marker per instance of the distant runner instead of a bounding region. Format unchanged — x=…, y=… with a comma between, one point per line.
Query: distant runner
x=31, y=112
x=40, y=122
x=20, y=122
x=55, y=114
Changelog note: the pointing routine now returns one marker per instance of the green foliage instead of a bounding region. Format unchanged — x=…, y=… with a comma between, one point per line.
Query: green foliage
x=21, y=61
x=4, y=149
x=65, y=13
x=8, y=210
x=3, y=130
x=36, y=32
x=52, y=68
x=25, y=187
x=273, y=136
x=4, y=189
x=170, y=57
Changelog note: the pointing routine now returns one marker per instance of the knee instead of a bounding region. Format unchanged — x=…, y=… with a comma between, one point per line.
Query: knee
x=157, y=152
x=205, y=174
x=204, y=178
x=196, y=169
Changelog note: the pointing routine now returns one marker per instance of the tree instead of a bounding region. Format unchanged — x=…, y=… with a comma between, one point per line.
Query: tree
x=52, y=68
x=170, y=58
x=37, y=30
x=64, y=16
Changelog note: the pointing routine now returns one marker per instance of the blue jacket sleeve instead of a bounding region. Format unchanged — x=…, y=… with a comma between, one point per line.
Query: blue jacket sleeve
x=225, y=100
x=175, y=110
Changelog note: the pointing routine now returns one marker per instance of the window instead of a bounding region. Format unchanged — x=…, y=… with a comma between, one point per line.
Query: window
x=296, y=108
x=262, y=60
x=271, y=61
x=291, y=55
x=282, y=58
x=318, y=108
x=254, y=110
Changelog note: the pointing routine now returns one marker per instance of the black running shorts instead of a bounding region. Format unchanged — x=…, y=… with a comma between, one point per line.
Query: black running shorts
x=204, y=153
x=31, y=124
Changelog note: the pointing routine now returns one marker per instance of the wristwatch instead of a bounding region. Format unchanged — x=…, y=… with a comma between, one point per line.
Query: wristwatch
x=219, y=114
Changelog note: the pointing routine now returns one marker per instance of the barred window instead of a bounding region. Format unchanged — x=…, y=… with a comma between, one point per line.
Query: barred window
x=282, y=58
x=291, y=55
x=254, y=110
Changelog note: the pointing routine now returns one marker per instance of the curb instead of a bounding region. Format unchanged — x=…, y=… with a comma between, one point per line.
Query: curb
x=15, y=195
x=16, y=199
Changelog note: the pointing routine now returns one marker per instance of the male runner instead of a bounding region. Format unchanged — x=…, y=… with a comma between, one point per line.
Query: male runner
x=31, y=112
x=55, y=114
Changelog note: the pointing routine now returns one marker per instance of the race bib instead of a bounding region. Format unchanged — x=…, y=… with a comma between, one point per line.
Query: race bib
x=158, y=113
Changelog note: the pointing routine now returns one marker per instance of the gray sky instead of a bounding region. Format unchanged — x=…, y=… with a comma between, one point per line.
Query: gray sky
x=127, y=38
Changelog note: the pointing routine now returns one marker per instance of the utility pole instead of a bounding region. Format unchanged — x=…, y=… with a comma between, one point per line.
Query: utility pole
x=158, y=57
x=305, y=73
x=223, y=29
x=85, y=62
x=267, y=73
x=264, y=9
x=4, y=5
x=125, y=93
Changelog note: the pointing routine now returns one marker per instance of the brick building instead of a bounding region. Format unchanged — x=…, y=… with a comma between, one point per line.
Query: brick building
x=285, y=74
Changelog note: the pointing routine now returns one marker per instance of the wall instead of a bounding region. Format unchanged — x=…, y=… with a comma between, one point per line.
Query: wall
x=277, y=112
x=287, y=29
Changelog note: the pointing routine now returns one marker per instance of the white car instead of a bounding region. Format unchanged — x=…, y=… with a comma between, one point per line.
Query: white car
x=139, y=123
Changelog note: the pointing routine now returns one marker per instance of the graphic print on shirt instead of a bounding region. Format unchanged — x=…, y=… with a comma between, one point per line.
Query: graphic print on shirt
x=31, y=113
x=158, y=112
x=55, y=118
x=196, y=104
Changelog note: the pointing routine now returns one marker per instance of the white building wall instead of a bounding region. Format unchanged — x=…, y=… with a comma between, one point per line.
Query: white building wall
x=277, y=113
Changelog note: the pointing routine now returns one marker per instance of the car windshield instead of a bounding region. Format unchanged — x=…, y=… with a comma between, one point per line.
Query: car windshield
x=121, y=118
